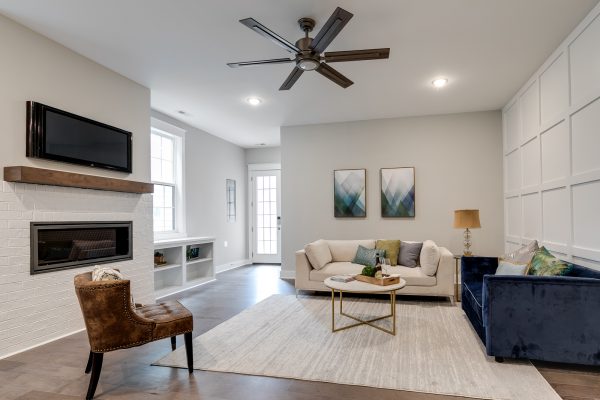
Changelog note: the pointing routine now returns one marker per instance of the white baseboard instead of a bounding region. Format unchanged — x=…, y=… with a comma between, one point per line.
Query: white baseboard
x=41, y=344
x=231, y=265
x=285, y=274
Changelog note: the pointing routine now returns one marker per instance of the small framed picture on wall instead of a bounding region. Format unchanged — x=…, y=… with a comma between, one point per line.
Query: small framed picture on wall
x=397, y=192
x=349, y=193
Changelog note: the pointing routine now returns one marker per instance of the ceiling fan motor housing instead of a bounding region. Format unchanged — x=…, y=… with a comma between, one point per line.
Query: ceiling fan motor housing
x=307, y=59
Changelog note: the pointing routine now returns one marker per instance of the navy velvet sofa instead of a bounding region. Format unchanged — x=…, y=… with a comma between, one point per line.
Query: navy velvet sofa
x=534, y=317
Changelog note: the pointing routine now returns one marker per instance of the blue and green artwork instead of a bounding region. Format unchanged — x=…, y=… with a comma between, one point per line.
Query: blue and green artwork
x=349, y=193
x=398, y=192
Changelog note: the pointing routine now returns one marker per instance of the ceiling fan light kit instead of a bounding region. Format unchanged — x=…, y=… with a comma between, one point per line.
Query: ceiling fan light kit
x=309, y=53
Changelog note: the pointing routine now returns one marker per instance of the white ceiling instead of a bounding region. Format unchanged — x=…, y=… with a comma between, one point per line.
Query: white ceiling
x=179, y=48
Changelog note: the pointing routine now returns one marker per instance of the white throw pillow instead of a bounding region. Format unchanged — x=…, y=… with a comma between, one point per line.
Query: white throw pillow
x=510, y=268
x=318, y=253
x=429, y=258
x=522, y=255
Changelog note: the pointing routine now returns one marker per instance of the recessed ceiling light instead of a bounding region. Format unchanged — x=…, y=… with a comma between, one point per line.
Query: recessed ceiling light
x=439, y=83
x=253, y=101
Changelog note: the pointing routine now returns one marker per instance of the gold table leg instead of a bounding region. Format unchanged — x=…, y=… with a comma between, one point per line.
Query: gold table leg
x=359, y=322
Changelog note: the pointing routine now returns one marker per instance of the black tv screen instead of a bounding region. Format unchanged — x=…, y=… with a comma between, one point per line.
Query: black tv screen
x=59, y=135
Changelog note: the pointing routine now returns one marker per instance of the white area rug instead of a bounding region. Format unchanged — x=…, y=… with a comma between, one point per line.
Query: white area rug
x=434, y=350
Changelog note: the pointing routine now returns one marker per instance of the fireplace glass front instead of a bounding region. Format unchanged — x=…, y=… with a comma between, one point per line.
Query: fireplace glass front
x=64, y=245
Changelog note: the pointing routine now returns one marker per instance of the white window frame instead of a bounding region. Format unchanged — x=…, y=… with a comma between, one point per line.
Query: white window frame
x=165, y=129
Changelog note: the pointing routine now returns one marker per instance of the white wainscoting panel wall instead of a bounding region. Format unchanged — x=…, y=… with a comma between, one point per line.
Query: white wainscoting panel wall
x=552, y=151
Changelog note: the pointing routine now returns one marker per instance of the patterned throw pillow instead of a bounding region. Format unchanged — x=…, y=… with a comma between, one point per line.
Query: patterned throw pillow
x=366, y=256
x=110, y=274
x=106, y=274
x=391, y=248
x=544, y=263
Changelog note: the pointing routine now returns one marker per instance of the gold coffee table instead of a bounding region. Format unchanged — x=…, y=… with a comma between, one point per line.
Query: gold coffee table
x=363, y=287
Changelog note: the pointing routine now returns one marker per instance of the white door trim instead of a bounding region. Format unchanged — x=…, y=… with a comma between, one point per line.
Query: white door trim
x=251, y=168
x=263, y=167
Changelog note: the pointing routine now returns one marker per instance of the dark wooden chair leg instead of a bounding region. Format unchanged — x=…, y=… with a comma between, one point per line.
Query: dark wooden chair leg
x=189, y=351
x=88, y=367
x=96, y=368
x=173, y=343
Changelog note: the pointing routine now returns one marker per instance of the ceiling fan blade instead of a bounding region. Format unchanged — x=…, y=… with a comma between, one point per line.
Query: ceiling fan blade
x=269, y=34
x=291, y=79
x=356, y=55
x=259, y=62
x=330, y=30
x=334, y=75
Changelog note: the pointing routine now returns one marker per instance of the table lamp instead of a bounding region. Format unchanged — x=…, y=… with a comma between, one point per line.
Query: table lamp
x=467, y=219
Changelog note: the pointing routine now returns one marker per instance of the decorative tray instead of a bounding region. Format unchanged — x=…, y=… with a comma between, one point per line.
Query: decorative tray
x=385, y=281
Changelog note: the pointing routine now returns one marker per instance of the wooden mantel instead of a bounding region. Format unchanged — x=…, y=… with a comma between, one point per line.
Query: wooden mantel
x=40, y=176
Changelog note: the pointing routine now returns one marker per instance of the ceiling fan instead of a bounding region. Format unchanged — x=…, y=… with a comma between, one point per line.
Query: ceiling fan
x=309, y=53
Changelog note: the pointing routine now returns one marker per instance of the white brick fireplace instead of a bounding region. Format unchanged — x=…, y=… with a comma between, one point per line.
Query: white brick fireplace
x=40, y=308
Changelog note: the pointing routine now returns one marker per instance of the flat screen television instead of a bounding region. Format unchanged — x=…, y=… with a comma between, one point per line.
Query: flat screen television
x=62, y=136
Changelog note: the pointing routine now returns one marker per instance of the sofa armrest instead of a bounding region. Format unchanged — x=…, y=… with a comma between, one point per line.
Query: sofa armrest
x=543, y=318
x=303, y=268
x=473, y=269
x=445, y=272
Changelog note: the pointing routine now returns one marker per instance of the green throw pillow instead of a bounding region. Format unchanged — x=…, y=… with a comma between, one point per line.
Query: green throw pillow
x=366, y=256
x=391, y=247
x=544, y=263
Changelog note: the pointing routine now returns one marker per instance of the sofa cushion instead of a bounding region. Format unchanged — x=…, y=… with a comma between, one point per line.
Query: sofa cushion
x=318, y=253
x=584, y=272
x=409, y=254
x=345, y=250
x=392, y=249
x=413, y=276
x=429, y=257
x=368, y=257
x=335, y=268
x=544, y=263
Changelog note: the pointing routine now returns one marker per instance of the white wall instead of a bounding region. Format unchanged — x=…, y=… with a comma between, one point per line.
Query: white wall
x=263, y=155
x=39, y=308
x=36, y=68
x=209, y=161
x=458, y=164
x=551, y=151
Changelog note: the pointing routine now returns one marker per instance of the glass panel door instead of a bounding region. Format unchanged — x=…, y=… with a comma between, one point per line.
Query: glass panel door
x=266, y=227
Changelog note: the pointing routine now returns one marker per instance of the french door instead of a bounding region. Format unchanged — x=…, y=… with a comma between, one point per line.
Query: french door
x=265, y=209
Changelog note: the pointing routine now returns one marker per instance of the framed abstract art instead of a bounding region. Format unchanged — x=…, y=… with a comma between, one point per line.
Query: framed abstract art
x=349, y=193
x=397, y=192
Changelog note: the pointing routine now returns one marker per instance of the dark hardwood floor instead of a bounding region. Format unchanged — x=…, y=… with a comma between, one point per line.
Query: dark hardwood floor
x=55, y=371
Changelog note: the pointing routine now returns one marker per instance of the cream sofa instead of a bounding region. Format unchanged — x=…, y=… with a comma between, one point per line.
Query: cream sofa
x=342, y=254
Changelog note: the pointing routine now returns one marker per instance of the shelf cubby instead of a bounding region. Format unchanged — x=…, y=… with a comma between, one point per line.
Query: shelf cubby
x=182, y=273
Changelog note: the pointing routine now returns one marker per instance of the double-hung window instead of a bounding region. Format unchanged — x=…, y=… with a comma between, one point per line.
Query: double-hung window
x=166, y=171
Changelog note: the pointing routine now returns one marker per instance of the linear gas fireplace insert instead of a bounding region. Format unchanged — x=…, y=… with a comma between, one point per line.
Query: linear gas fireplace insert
x=64, y=245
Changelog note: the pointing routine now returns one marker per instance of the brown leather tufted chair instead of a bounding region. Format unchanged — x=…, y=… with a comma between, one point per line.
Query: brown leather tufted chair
x=113, y=323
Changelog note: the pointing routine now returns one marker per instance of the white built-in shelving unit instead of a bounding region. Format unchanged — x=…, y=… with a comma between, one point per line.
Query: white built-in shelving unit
x=182, y=272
